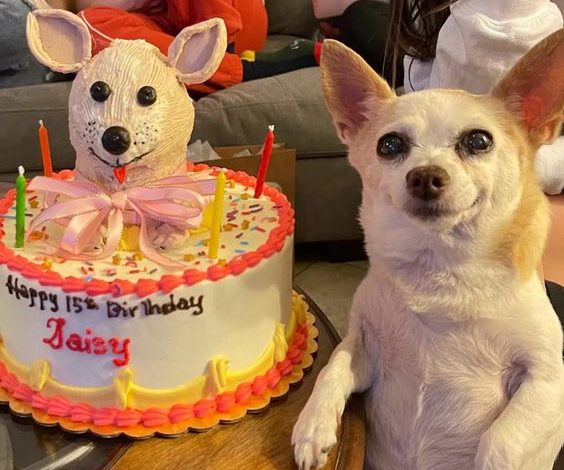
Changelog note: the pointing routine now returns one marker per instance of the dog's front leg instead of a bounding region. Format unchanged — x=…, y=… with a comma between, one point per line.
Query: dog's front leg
x=532, y=418
x=348, y=371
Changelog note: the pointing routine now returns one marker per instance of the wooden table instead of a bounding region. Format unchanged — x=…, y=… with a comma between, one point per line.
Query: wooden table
x=257, y=442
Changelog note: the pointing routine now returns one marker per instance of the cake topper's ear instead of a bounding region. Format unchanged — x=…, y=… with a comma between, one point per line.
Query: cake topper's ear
x=198, y=50
x=58, y=39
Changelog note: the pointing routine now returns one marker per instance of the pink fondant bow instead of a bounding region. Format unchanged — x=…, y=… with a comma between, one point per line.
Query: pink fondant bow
x=177, y=201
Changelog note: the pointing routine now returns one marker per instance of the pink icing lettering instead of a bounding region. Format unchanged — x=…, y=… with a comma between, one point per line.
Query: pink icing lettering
x=87, y=345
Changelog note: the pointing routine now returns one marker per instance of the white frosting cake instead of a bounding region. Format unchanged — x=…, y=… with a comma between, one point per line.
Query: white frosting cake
x=126, y=333
x=116, y=314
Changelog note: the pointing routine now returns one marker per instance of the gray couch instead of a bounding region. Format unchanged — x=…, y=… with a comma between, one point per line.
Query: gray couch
x=327, y=189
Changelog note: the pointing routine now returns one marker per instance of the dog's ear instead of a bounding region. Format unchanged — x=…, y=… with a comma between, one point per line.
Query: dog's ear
x=534, y=89
x=58, y=39
x=198, y=50
x=349, y=83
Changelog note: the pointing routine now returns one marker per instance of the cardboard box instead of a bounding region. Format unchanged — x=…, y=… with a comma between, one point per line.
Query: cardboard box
x=282, y=168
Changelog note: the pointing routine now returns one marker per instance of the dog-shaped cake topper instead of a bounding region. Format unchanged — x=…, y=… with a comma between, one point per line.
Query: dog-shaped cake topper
x=130, y=117
x=130, y=120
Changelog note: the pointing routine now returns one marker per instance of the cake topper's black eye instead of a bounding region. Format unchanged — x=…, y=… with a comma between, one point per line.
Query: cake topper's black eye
x=100, y=91
x=146, y=96
x=476, y=141
x=391, y=145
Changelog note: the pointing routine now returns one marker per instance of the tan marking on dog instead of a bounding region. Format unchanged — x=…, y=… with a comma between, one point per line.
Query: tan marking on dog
x=521, y=241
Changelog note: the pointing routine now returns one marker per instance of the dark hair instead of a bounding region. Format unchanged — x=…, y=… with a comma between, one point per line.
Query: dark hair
x=413, y=29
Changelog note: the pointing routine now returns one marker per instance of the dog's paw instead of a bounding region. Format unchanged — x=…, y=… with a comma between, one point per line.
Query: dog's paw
x=168, y=238
x=315, y=433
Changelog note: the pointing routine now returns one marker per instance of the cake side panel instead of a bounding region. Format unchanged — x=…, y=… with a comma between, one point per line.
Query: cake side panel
x=165, y=339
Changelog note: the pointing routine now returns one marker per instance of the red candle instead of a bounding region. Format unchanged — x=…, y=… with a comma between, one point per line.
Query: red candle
x=264, y=160
x=45, y=149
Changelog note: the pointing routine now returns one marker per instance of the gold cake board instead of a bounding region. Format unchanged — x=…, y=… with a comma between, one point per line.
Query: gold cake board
x=255, y=404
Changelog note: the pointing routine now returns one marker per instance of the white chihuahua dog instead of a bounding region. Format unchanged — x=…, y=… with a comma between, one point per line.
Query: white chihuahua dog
x=451, y=336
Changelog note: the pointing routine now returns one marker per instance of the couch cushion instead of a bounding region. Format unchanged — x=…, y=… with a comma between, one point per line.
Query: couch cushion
x=328, y=195
x=293, y=17
x=293, y=102
x=20, y=110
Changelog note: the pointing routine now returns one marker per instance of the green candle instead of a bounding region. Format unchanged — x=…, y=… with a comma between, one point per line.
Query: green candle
x=20, y=208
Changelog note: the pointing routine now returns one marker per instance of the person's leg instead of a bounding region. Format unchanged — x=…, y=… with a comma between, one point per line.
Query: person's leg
x=18, y=67
x=364, y=27
x=300, y=54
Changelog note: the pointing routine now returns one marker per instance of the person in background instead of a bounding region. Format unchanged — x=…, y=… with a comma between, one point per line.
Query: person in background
x=470, y=44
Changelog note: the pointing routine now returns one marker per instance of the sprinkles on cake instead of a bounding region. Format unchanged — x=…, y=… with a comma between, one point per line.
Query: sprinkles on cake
x=241, y=232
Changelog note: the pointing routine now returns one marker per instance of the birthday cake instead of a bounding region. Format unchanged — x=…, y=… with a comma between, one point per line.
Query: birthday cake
x=148, y=294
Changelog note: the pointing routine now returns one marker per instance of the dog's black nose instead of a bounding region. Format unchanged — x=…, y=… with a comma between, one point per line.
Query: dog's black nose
x=427, y=182
x=116, y=140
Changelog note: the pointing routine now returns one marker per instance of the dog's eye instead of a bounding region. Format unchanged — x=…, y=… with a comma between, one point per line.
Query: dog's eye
x=391, y=145
x=476, y=141
x=146, y=96
x=100, y=91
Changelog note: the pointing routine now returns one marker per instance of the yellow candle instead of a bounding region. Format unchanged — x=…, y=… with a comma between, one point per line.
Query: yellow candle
x=20, y=207
x=207, y=216
x=217, y=214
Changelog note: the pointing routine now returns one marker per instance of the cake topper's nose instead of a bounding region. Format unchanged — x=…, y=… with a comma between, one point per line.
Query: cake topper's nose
x=116, y=140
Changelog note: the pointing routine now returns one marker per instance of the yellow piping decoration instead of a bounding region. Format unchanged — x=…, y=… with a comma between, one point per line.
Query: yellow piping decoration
x=39, y=372
x=122, y=386
x=280, y=344
x=217, y=375
x=300, y=308
x=290, y=327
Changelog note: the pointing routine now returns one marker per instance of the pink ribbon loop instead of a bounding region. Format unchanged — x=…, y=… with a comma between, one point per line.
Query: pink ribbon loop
x=86, y=211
